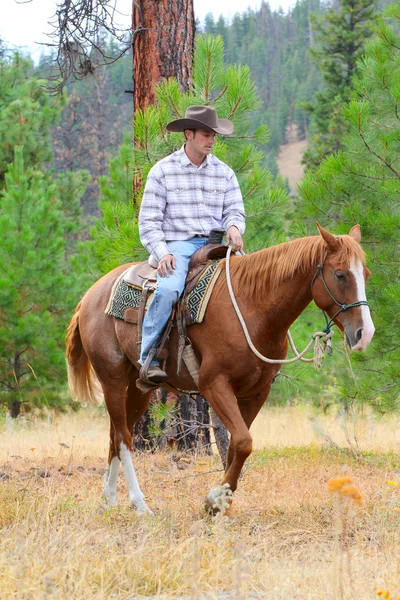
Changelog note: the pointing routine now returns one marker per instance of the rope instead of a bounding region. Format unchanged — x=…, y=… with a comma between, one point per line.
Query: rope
x=319, y=350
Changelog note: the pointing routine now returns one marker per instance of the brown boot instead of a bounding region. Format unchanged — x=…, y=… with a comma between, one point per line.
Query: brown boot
x=156, y=375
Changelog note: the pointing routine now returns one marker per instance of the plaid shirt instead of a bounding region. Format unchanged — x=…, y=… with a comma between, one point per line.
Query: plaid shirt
x=181, y=200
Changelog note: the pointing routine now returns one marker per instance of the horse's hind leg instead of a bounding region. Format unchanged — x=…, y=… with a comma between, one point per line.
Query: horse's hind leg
x=115, y=393
x=110, y=480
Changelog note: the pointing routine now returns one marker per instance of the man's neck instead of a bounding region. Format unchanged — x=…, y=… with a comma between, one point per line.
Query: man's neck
x=194, y=157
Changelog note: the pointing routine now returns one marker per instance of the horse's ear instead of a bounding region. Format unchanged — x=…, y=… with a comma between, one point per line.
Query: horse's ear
x=355, y=233
x=328, y=237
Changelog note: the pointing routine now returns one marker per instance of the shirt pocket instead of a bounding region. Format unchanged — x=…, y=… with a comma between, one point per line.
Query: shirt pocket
x=176, y=198
x=213, y=198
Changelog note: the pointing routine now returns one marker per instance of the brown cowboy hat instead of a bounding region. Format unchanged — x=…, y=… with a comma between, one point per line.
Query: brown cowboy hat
x=202, y=117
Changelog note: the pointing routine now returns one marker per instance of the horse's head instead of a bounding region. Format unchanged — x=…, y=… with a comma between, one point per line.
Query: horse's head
x=339, y=287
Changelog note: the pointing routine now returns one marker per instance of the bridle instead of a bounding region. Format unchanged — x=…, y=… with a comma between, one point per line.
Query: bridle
x=342, y=307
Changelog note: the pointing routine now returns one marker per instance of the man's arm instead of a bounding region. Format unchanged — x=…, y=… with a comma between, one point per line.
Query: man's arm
x=151, y=215
x=233, y=214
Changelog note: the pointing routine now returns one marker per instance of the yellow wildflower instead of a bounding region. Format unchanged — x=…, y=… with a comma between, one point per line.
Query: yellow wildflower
x=353, y=493
x=336, y=484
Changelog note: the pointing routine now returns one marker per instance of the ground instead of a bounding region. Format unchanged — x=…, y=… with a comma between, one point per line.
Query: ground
x=287, y=537
x=289, y=159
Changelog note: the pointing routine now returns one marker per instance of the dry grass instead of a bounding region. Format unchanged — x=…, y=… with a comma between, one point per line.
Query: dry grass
x=285, y=538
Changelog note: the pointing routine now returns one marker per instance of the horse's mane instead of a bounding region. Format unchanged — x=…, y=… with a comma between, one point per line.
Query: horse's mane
x=270, y=267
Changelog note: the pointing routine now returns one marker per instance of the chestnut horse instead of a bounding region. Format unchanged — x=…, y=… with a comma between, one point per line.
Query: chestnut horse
x=272, y=287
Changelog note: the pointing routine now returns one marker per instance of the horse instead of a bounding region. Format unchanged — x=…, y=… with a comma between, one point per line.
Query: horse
x=272, y=286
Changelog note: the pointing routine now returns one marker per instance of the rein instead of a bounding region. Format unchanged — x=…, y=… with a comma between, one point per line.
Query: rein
x=318, y=350
x=342, y=307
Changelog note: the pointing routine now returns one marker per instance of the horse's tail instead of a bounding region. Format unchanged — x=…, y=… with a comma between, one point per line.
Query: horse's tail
x=82, y=379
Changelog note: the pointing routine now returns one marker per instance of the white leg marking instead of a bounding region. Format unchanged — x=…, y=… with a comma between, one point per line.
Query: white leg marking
x=135, y=493
x=110, y=482
x=368, y=327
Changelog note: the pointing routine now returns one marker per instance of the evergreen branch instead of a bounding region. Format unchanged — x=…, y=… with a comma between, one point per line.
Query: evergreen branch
x=207, y=86
x=372, y=151
x=166, y=138
x=251, y=190
x=235, y=107
x=222, y=93
x=174, y=106
x=385, y=37
x=263, y=212
x=243, y=137
x=246, y=162
x=396, y=111
x=350, y=172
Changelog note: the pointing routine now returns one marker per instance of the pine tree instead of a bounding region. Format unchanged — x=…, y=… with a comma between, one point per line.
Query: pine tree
x=361, y=184
x=340, y=34
x=26, y=114
x=39, y=285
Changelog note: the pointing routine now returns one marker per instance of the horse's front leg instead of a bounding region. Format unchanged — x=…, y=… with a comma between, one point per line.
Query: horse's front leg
x=249, y=407
x=220, y=395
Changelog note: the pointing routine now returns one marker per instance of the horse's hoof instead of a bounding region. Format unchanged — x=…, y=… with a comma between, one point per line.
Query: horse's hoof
x=109, y=500
x=218, y=500
x=141, y=508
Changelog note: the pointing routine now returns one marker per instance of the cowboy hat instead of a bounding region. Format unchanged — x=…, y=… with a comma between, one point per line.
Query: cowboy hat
x=202, y=117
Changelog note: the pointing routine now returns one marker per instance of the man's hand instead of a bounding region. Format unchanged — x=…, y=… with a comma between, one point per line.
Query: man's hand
x=233, y=237
x=167, y=265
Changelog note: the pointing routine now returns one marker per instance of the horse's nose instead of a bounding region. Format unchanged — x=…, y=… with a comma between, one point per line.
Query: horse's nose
x=358, y=334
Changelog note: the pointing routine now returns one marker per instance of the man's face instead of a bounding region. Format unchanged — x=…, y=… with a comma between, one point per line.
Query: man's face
x=200, y=141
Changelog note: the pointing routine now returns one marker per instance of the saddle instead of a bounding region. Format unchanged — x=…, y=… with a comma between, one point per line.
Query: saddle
x=144, y=276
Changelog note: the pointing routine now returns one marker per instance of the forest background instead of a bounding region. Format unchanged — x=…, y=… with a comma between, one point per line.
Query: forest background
x=65, y=161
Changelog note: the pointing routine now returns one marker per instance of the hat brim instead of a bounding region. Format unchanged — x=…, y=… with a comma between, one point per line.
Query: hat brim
x=224, y=127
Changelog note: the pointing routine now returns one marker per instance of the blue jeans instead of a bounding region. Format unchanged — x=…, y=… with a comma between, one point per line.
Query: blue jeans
x=167, y=293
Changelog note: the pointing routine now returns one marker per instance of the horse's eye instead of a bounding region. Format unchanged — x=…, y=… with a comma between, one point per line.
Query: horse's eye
x=340, y=276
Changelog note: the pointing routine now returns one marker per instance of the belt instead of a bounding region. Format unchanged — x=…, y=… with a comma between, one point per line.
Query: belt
x=200, y=235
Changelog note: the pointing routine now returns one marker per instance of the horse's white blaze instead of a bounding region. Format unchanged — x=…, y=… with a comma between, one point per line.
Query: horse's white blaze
x=357, y=269
x=110, y=482
x=135, y=493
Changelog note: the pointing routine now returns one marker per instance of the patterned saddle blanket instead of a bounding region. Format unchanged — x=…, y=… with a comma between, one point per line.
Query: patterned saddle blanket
x=126, y=296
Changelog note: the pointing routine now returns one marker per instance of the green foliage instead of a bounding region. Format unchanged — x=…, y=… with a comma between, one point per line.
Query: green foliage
x=233, y=93
x=26, y=113
x=42, y=261
x=361, y=184
x=39, y=287
x=116, y=235
x=340, y=34
x=275, y=47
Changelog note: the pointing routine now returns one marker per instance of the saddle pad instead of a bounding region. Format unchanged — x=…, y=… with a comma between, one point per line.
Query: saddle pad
x=124, y=296
x=197, y=300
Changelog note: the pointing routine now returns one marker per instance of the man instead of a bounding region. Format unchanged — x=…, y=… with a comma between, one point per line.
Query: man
x=186, y=195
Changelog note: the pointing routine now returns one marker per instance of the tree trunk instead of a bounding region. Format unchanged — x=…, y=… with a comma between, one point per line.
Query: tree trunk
x=192, y=424
x=186, y=428
x=163, y=46
x=15, y=403
x=221, y=436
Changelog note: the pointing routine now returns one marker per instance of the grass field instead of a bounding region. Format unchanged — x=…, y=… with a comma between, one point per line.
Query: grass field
x=287, y=537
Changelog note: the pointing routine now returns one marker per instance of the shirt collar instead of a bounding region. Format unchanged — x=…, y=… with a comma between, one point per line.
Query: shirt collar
x=185, y=161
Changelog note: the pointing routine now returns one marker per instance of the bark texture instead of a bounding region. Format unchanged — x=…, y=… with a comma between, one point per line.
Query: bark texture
x=163, y=45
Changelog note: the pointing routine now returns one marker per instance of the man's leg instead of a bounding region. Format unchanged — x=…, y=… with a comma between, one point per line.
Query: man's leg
x=167, y=294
